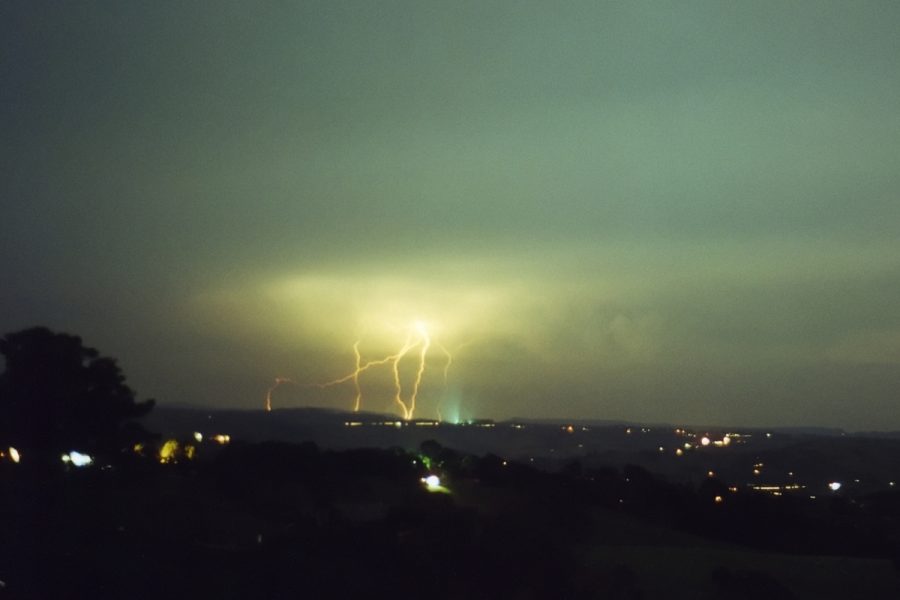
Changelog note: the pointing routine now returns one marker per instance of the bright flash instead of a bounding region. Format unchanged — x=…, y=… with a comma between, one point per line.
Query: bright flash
x=421, y=328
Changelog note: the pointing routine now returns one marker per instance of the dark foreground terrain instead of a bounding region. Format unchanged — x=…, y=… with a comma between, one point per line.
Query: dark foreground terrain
x=281, y=520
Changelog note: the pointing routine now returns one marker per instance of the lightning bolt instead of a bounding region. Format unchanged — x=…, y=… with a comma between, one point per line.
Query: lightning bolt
x=279, y=381
x=426, y=343
x=446, y=371
x=395, y=368
x=437, y=407
x=417, y=337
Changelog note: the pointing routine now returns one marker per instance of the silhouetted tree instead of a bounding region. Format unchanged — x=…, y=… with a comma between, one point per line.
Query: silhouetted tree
x=58, y=395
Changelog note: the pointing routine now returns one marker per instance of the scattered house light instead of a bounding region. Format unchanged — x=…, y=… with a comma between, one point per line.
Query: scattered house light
x=222, y=438
x=719, y=499
x=14, y=455
x=769, y=435
x=726, y=440
x=198, y=437
x=710, y=473
x=767, y=488
x=661, y=449
x=77, y=458
x=704, y=441
x=679, y=452
x=168, y=452
x=834, y=486
x=756, y=472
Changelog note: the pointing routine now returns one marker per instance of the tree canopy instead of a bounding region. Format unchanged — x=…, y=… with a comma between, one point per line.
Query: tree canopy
x=58, y=395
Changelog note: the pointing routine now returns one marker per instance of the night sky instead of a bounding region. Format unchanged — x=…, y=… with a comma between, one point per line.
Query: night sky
x=659, y=211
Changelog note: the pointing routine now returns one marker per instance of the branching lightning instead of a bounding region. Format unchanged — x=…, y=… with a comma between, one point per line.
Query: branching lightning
x=418, y=339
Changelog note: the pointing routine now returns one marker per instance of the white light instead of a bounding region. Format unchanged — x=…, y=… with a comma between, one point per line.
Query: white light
x=704, y=441
x=834, y=486
x=14, y=454
x=432, y=481
x=198, y=436
x=80, y=460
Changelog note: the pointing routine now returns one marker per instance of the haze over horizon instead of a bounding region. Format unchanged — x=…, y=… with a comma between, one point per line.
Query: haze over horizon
x=654, y=211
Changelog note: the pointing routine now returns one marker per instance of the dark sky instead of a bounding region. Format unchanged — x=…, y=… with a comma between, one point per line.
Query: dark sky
x=683, y=211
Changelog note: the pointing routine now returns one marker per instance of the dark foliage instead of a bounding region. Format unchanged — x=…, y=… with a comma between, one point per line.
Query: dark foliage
x=58, y=395
x=277, y=520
